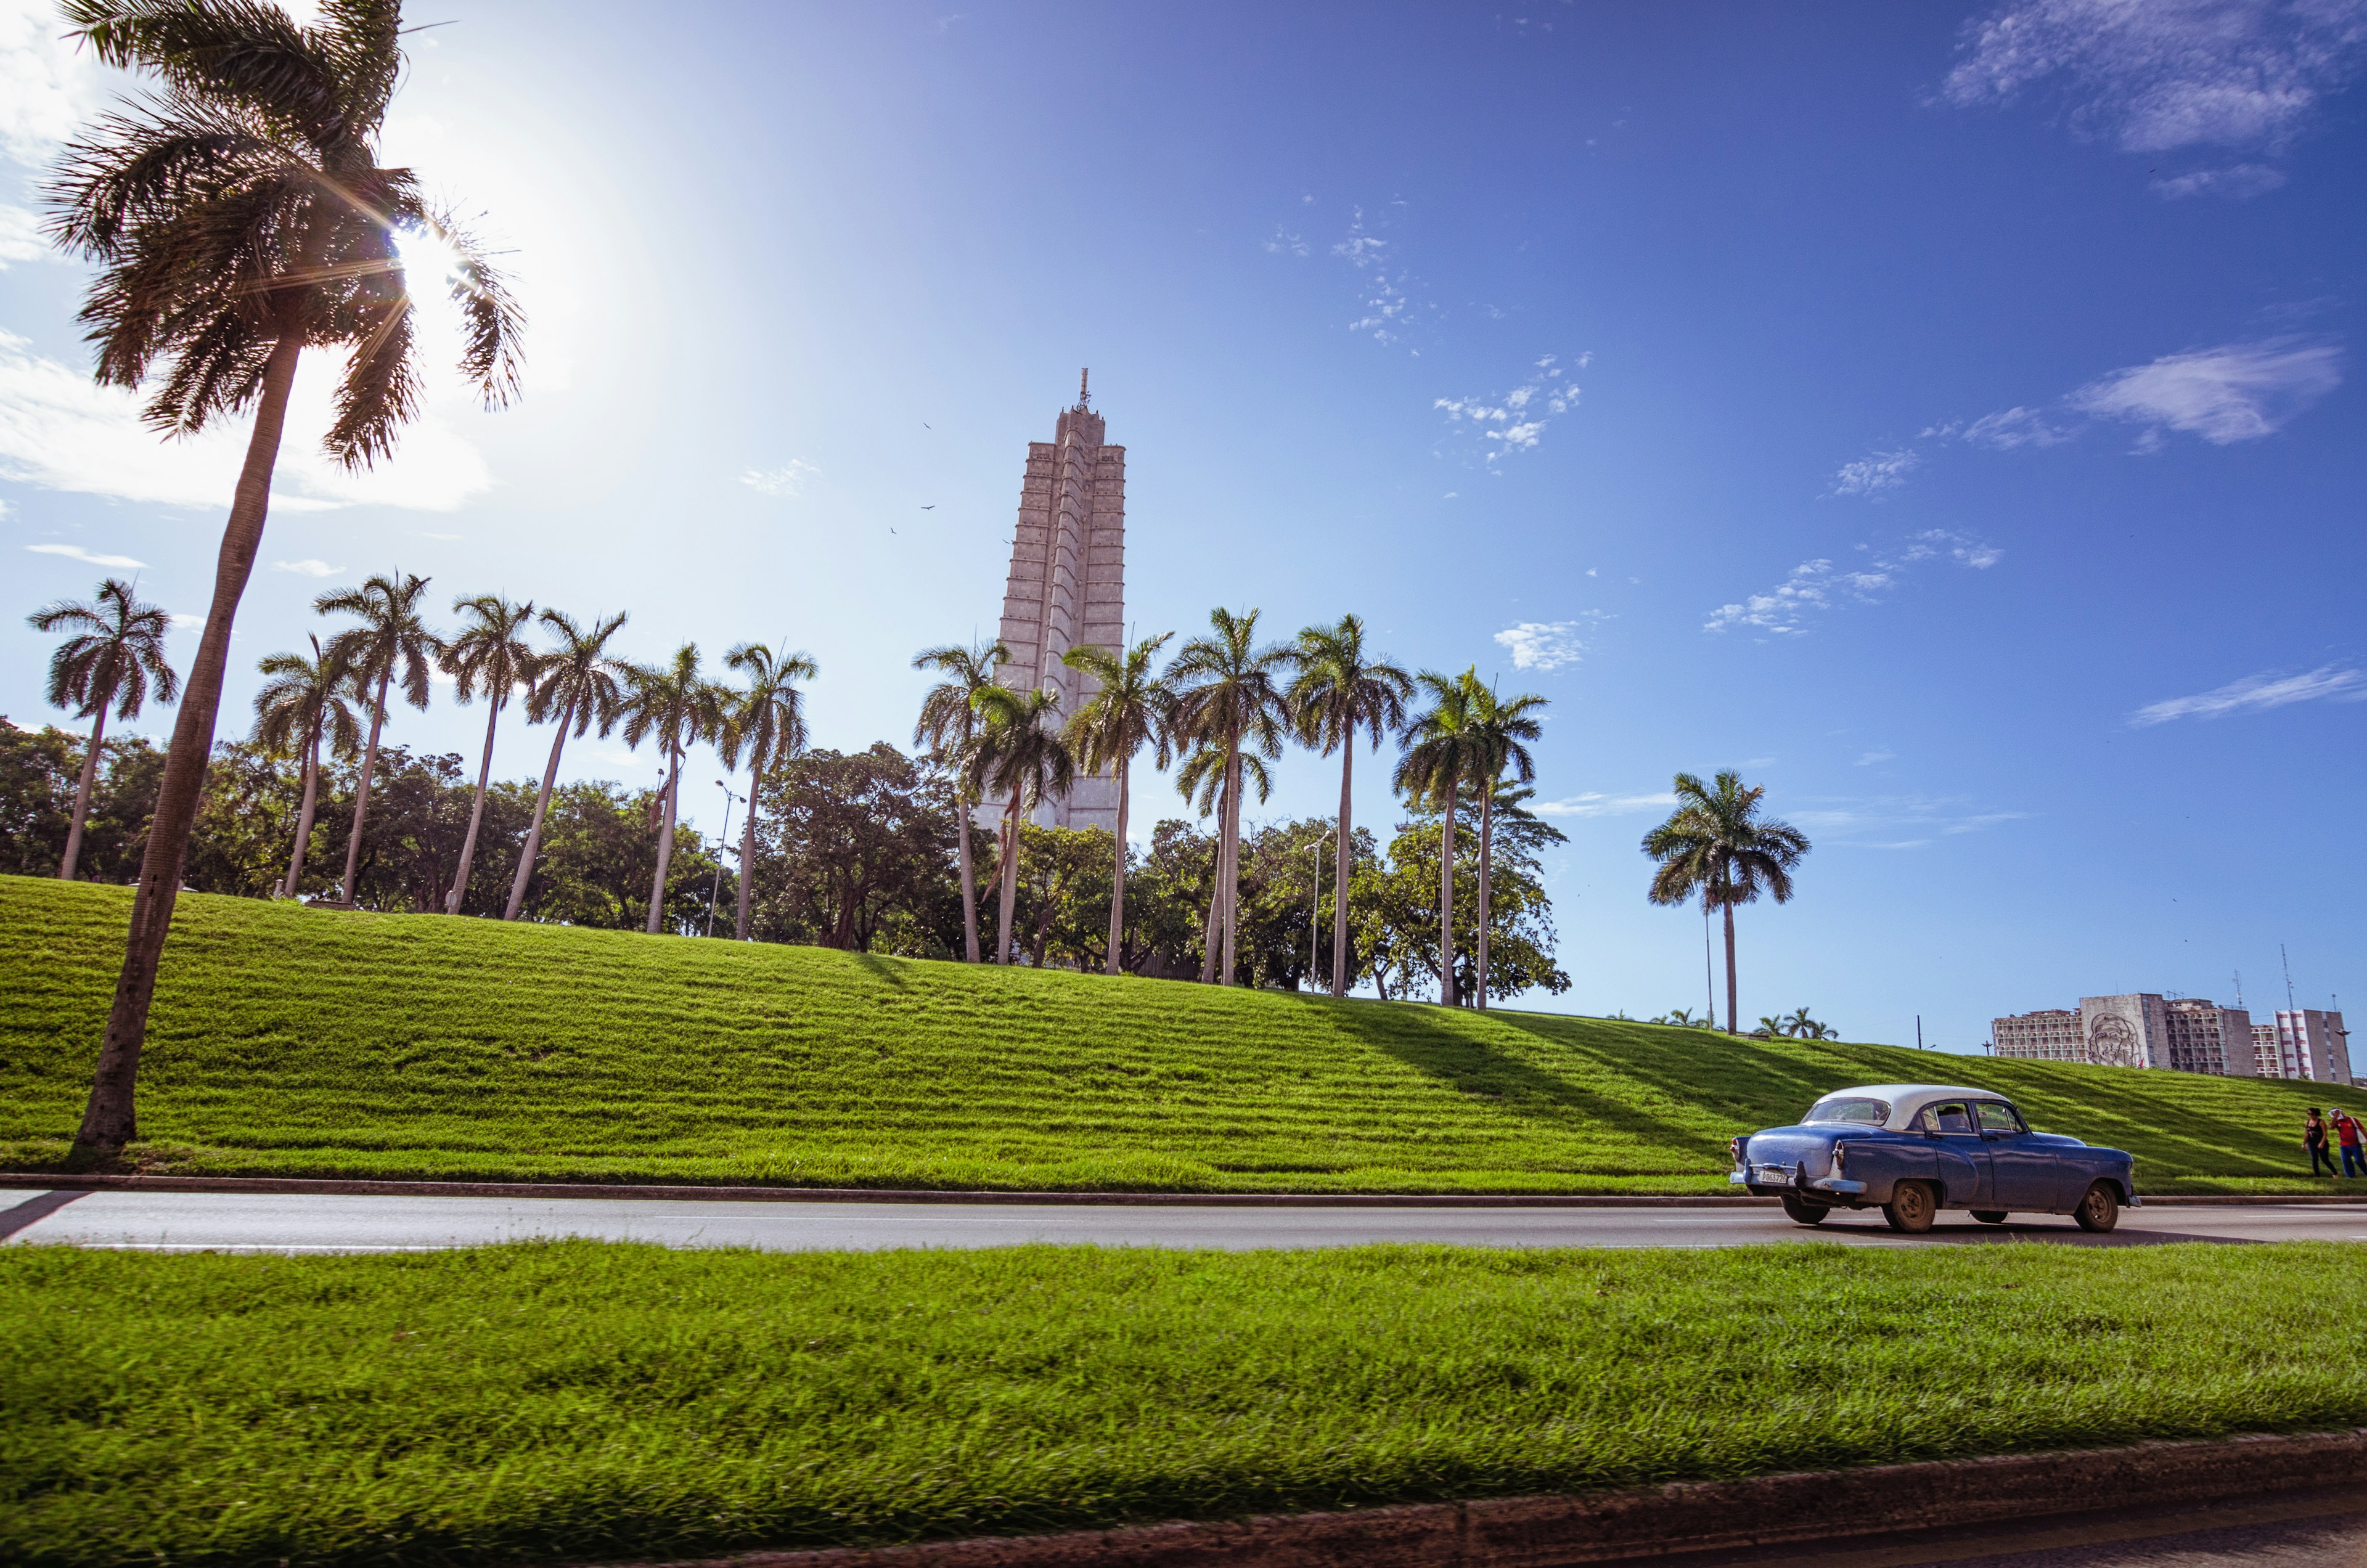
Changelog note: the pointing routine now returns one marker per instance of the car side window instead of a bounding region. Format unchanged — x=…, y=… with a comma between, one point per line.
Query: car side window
x=1998, y=1117
x=1949, y=1116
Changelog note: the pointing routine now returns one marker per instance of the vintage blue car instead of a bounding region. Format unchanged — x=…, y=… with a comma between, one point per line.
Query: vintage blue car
x=1914, y=1149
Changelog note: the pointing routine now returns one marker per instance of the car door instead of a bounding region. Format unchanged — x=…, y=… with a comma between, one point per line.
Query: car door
x=1964, y=1159
x=2021, y=1171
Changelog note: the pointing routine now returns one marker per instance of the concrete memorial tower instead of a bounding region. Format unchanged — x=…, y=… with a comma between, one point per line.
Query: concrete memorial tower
x=1067, y=584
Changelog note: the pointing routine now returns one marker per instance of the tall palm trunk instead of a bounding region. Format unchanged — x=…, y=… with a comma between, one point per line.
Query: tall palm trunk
x=111, y=1118
x=82, y=793
x=1233, y=852
x=1340, y=873
x=969, y=881
x=1446, y=993
x=304, y=813
x=1117, y=872
x=541, y=804
x=476, y=815
x=1728, y=905
x=665, y=839
x=1487, y=837
x=361, y=793
x=1209, y=945
x=748, y=848
x=1010, y=848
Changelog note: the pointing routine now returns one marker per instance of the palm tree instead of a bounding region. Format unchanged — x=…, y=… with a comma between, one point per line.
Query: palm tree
x=118, y=647
x=1338, y=690
x=1228, y=692
x=238, y=218
x=579, y=684
x=487, y=651
x=1714, y=844
x=769, y=719
x=670, y=704
x=304, y=700
x=1500, y=732
x=390, y=639
x=1440, y=754
x=1129, y=711
x=1201, y=780
x=1019, y=752
x=949, y=725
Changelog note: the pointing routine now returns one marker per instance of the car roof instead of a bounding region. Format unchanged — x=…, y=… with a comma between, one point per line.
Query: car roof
x=1906, y=1099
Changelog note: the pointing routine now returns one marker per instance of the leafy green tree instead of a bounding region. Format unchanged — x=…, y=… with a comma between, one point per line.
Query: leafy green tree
x=857, y=854
x=1131, y=707
x=1404, y=923
x=580, y=684
x=674, y=706
x=1716, y=847
x=597, y=858
x=950, y=726
x=391, y=641
x=238, y=218
x=1499, y=730
x=116, y=649
x=1230, y=693
x=1441, y=751
x=766, y=719
x=487, y=652
x=1168, y=889
x=1019, y=753
x=302, y=702
x=1065, y=877
x=1340, y=690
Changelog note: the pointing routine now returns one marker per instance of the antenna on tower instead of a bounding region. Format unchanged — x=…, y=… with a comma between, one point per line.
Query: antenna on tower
x=1083, y=377
x=2240, y=988
x=2288, y=964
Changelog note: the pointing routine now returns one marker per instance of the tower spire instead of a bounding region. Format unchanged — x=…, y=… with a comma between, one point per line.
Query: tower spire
x=1083, y=377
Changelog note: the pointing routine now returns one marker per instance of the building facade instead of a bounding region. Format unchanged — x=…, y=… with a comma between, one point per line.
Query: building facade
x=2050, y=1034
x=2141, y=1029
x=1066, y=585
x=2303, y=1042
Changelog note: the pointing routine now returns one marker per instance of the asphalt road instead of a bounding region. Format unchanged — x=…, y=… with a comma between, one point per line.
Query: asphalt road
x=293, y=1223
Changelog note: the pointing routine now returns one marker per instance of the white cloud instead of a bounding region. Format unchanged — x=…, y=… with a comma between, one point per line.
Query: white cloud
x=307, y=567
x=1385, y=303
x=1542, y=645
x=1286, y=243
x=61, y=431
x=2155, y=75
x=48, y=87
x=188, y=623
x=1814, y=586
x=20, y=236
x=1880, y=754
x=75, y=552
x=2237, y=182
x=1595, y=803
x=785, y=482
x=1516, y=419
x=2010, y=428
x=1878, y=823
x=2258, y=692
x=1874, y=474
x=2237, y=392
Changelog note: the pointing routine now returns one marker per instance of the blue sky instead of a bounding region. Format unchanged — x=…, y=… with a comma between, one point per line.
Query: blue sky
x=1948, y=416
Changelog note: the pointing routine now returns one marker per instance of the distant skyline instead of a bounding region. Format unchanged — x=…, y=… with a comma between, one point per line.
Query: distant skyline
x=1949, y=416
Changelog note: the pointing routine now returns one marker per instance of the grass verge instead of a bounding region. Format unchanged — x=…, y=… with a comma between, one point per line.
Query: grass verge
x=579, y=1400
x=305, y=1042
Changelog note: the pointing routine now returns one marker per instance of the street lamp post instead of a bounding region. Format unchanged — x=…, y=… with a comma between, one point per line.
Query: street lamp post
x=1314, y=906
x=715, y=891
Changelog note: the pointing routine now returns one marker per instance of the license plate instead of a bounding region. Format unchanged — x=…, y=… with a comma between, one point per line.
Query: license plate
x=1773, y=1176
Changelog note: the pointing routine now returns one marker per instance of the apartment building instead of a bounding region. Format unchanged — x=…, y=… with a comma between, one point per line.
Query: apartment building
x=2142, y=1028
x=2303, y=1042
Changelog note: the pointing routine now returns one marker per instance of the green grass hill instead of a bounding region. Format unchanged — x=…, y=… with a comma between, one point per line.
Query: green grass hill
x=295, y=1042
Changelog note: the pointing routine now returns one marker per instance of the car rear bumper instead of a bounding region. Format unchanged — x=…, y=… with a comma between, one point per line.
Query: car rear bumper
x=1766, y=1180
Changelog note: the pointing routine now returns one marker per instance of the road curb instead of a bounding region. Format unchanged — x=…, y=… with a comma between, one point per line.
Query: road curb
x=1685, y=1517
x=681, y=1192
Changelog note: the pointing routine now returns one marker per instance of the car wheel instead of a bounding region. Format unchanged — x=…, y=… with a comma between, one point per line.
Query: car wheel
x=2100, y=1210
x=1803, y=1213
x=1989, y=1216
x=1911, y=1208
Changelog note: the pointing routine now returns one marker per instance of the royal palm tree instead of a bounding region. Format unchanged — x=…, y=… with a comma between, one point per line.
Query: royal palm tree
x=1201, y=780
x=1020, y=753
x=391, y=642
x=949, y=725
x=1500, y=731
x=580, y=684
x=302, y=702
x=1130, y=710
x=769, y=720
x=672, y=704
x=1339, y=690
x=1440, y=754
x=116, y=649
x=1230, y=693
x=237, y=218
x=487, y=651
x=1716, y=845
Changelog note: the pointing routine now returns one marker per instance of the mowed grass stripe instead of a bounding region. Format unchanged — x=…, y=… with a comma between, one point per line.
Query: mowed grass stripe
x=288, y=1041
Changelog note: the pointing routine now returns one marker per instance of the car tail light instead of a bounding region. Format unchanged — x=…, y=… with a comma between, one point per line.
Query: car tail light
x=1734, y=1147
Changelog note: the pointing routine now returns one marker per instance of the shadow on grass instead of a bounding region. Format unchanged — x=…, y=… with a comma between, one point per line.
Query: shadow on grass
x=888, y=971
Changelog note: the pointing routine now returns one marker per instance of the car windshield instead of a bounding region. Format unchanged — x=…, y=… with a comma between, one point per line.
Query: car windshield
x=1851, y=1108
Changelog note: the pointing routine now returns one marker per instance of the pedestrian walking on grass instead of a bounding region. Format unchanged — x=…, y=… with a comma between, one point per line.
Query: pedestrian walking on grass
x=2313, y=1138
x=2346, y=1133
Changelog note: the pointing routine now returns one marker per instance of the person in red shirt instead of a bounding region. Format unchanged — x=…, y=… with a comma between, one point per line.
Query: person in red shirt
x=2346, y=1131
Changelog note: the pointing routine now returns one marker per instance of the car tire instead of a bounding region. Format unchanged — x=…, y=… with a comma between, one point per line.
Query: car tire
x=1911, y=1208
x=1989, y=1216
x=2100, y=1210
x=1803, y=1212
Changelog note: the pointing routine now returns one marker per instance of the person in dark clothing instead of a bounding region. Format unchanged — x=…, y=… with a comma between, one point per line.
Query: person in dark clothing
x=2313, y=1138
x=2346, y=1134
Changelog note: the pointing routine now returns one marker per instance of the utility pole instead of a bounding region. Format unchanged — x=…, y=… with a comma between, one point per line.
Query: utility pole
x=1918, y=1031
x=716, y=891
